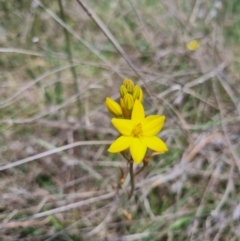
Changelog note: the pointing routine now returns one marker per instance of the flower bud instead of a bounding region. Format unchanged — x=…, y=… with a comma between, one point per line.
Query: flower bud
x=128, y=101
x=113, y=107
x=122, y=103
x=137, y=93
x=129, y=85
x=123, y=90
x=124, y=110
x=127, y=81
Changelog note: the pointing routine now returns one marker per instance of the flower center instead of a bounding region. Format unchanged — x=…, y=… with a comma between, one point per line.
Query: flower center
x=137, y=130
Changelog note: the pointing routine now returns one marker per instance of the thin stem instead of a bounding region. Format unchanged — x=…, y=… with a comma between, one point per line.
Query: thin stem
x=140, y=170
x=121, y=178
x=132, y=180
x=123, y=153
x=73, y=71
x=109, y=35
x=146, y=161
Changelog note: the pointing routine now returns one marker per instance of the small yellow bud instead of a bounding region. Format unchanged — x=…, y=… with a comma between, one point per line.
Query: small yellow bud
x=137, y=93
x=127, y=81
x=124, y=110
x=113, y=107
x=123, y=90
x=193, y=45
x=129, y=85
x=128, y=101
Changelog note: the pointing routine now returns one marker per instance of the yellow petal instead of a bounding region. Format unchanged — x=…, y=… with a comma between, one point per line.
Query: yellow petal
x=138, y=111
x=138, y=150
x=113, y=107
x=156, y=144
x=120, y=144
x=125, y=127
x=152, y=124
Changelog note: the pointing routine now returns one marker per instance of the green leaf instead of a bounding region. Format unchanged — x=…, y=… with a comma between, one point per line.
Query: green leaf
x=180, y=223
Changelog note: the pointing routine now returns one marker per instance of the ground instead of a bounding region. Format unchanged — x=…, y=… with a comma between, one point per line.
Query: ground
x=59, y=61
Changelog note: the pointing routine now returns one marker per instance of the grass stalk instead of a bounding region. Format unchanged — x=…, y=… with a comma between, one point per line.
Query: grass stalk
x=72, y=69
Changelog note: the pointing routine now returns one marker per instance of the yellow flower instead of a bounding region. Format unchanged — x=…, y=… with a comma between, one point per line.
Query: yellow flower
x=139, y=133
x=193, y=45
x=113, y=107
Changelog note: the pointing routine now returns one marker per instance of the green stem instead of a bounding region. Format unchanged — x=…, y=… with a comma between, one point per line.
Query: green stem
x=73, y=71
x=132, y=180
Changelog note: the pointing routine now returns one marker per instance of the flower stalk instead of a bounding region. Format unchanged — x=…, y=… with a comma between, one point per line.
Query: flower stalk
x=131, y=179
x=138, y=132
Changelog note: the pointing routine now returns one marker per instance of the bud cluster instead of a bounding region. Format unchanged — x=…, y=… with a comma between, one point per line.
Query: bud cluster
x=128, y=94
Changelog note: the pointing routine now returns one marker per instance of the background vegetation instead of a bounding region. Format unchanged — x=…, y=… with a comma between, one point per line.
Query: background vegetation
x=58, y=64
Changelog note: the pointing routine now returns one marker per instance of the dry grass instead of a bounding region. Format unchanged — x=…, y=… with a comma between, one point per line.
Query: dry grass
x=58, y=182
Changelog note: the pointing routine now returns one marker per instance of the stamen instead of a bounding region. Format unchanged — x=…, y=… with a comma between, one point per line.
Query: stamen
x=137, y=130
